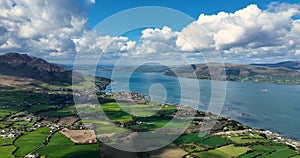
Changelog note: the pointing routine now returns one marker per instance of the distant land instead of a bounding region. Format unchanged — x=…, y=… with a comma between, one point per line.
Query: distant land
x=25, y=66
x=295, y=65
x=277, y=73
x=239, y=72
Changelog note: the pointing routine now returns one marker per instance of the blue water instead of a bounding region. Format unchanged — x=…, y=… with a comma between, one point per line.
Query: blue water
x=277, y=110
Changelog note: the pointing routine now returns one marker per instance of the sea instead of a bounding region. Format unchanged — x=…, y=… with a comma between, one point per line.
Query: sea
x=273, y=107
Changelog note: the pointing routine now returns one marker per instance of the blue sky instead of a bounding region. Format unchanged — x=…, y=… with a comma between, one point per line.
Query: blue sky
x=104, y=8
x=240, y=31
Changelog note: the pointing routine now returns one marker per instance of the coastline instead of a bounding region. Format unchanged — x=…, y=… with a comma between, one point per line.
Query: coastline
x=274, y=136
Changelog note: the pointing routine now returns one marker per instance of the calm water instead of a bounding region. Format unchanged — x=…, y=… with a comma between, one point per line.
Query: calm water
x=277, y=110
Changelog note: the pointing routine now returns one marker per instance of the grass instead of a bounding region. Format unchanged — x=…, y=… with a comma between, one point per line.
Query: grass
x=248, y=139
x=138, y=110
x=30, y=141
x=7, y=141
x=37, y=108
x=225, y=151
x=215, y=141
x=190, y=138
x=6, y=151
x=264, y=149
x=212, y=154
x=161, y=121
x=61, y=146
x=233, y=151
x=65, y=112
x=250, y=155
x=272, y=151
x=103, y=127
x=119, y=116
x=284, y=152
x=192, y=148
x=210, y=141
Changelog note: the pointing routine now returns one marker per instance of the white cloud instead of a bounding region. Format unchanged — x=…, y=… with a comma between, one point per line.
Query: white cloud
x=157, y=41
x=90, y=42
x=249, y=32
x=40, y=26
x=58, y=29
x=90, y=2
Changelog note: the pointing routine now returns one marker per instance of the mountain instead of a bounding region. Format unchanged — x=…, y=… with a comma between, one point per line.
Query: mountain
x=22, y=65
x=287, y=64
x=238, y=72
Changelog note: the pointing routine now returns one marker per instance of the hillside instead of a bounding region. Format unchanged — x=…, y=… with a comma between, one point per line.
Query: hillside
x=22, y=65
x=239, y=72
x=286, y=64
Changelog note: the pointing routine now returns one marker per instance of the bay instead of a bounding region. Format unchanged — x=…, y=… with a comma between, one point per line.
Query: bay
x=277, y=109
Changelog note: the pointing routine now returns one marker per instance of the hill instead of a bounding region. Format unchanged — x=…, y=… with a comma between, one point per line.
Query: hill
x=286, y=64
x=239, y=72
x=22, y=65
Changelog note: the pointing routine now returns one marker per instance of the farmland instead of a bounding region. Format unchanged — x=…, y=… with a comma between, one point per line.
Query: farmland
x=30, y=141
x=225, y=151
x=61, y=146
x=6, y=151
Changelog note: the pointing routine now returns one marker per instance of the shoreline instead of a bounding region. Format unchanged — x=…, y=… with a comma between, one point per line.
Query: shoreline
x=274, y=136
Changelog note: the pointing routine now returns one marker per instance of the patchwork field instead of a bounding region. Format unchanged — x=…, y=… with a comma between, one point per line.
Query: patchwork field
x=225, y=151
x=170, y=151
x=262, y=151
x=30, y=141
x=6, y=151
x=61, y=146
x=206, y=140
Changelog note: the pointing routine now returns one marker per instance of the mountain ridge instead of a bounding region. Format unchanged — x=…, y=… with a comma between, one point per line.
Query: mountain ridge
x=237, y=72
x=23, y=65
x=295, y=65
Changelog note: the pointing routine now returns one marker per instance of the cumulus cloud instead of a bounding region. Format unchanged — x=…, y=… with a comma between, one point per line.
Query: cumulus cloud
x=90, y=42
x=34, y=26
x=249, y=32
x=157, y=41
x=58, y=29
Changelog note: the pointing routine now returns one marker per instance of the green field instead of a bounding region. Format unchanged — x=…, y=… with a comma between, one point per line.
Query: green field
x=264, y=149
x=7, y=141
x=30, y=141
x=270, y=152
x=104, y=127
x=283, y=152
x=6, y=151
x=65, y=112
x=37, y=108
x=160, y=121
x=61, y=146
x=225, y=151
x=117, y=111
x=248, y=139
x=250, y=154
x=192, y=148
x=210, y=141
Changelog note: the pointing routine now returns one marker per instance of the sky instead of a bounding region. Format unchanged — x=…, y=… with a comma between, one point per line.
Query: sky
x=168, y=31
